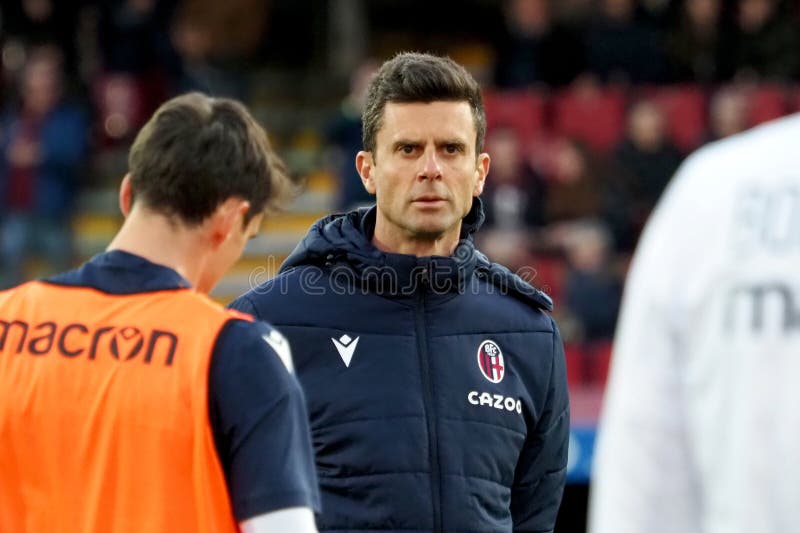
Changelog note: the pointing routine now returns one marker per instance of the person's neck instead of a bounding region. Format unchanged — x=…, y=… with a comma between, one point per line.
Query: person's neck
x=397, y=242
x=160, y=241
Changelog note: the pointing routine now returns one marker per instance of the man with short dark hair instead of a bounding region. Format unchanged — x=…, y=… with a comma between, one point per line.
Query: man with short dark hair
x=435, y=379
x=130, y=401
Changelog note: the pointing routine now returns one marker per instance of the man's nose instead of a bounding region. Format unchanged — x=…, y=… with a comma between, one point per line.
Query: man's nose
x=430, y=166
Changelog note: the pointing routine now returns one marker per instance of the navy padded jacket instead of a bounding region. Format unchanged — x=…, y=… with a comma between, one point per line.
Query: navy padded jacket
x=436, y=386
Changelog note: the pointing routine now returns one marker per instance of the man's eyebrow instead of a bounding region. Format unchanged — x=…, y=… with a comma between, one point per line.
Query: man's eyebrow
x=446, y=142
x=405, y=142
x=438, y=142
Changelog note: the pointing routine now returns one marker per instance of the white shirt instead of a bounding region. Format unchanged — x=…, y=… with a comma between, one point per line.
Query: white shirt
x=700, y=430
x=292, y=519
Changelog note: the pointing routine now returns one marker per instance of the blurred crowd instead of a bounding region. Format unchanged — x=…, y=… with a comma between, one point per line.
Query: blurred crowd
x=78, y=80
x=647, y=41
x=592, y=105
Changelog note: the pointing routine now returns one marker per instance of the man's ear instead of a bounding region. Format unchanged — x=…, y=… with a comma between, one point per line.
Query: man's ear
x=228, y=218
x=481, y=170
x=364, y=166
x=125, y=196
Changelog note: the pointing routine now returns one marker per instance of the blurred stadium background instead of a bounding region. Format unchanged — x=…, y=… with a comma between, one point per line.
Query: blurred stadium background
x=591, y=104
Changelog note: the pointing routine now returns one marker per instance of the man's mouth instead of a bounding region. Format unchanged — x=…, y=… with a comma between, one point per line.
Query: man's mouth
x=428, y=199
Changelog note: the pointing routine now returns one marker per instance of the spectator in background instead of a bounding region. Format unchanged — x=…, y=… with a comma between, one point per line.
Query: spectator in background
x=727, y=113
x=513, y=201
x=766, y=42
x=621, y=47
x=576, y=186
x=533, y=48
x=644, y=162
x=43, y=143
x=696, y=45
x=133, y=36
x=218, y=42
x=343, y=136
x=592, y=289
x=139, y=67
x=514, y=198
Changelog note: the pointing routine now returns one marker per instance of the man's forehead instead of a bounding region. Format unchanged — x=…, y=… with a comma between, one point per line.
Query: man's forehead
x=441, y=120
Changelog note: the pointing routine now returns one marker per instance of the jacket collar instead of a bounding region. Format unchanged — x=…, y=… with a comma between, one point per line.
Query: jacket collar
x=343, y=243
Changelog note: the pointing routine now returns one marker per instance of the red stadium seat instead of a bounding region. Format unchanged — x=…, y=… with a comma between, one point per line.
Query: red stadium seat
x=521, y=110
x=599, y=359
x=592, y=114
x=575, y=359
x=685, y=111
x=765, y=103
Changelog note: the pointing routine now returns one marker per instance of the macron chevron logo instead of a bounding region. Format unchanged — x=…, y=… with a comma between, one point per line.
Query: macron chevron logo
x=346, y=346
x=281, y=347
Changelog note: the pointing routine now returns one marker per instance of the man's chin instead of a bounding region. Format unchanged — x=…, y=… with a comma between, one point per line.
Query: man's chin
x=430, y=231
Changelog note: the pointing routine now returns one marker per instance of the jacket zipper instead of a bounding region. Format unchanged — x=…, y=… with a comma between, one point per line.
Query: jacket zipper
x=430, y=411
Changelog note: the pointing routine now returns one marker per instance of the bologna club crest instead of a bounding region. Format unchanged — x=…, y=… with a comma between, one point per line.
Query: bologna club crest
x=490, y=361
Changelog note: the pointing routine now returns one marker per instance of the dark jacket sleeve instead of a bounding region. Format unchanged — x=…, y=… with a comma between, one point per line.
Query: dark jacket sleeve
x=260, y=424
x=542, y=468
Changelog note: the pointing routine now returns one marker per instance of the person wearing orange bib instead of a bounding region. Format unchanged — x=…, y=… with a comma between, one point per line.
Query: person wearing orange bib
x=129, y=400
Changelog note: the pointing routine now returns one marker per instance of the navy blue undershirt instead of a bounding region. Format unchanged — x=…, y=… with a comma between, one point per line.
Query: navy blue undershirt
x=256, y=406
